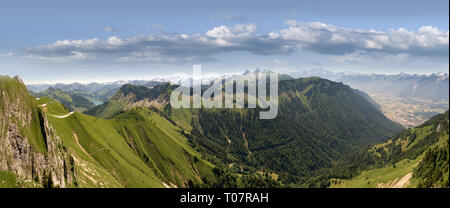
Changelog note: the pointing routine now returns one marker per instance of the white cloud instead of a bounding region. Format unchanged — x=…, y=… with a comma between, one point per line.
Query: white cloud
x=238, y=31
x=166, y=48
x=341, y=43
x=114, y=40
x=74, y=56
x=329, y=39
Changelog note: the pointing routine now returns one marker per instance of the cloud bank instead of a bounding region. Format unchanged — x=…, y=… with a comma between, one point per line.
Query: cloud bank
x=314, y=37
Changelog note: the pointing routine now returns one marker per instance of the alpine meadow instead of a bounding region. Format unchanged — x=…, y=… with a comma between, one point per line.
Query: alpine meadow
x=208, y=96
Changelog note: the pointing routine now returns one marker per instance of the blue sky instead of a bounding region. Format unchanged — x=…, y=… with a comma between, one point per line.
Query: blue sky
x=66, y=41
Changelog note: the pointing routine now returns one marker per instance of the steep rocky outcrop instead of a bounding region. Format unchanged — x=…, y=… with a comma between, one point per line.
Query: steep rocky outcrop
x=56, y=149
x=29, y=146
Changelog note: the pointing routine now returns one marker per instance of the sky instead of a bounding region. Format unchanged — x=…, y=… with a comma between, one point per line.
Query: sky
x=96, y=41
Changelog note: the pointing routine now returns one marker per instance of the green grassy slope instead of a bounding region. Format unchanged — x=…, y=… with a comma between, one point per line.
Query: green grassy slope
x=318, y=122
x=52, y=107
x=385, y=177
x=13, y=90
x=163, y=145
x=139, y=148
x=419, y=154
x=10, y=180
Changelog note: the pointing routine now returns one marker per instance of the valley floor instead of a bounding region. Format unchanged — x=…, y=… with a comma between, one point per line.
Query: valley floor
x=408, y=112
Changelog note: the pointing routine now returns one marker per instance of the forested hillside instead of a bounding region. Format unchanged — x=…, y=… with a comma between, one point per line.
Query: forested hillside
x=318, y=122
x=418, y=155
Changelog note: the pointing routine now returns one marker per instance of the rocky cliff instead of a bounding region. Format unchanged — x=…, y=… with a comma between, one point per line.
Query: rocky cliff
x=29, y=146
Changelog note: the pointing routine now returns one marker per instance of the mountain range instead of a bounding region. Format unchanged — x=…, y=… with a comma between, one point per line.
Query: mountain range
x=325, y=134
x=433, y=87
x=45, y=145
x=319, y=120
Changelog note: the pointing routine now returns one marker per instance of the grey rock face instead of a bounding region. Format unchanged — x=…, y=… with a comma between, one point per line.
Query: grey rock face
x=51, y=168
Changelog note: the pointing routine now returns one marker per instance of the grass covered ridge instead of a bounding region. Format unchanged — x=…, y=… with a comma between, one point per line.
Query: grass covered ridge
x=137, y=148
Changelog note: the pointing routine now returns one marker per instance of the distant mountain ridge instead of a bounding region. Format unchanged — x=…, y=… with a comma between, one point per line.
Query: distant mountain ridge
x=433, y=87
x=92, y=87
x=130, y=96
x=319, y=120
x=85, y=96
x=72, y=101
x=42, y=144
x=150, y=144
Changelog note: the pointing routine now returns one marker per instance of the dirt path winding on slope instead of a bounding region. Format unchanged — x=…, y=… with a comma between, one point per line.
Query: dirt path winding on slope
x=397, y=183
x=81, y=147
x=62, y=116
